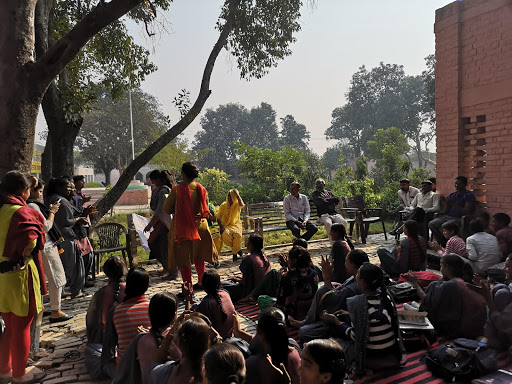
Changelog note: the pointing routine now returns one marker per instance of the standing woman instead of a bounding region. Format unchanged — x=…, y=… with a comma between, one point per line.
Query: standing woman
x=22, y=278
x=190, y=240
x=230, y=224
x=163, y=182
x=52, y=264
x=60, y=190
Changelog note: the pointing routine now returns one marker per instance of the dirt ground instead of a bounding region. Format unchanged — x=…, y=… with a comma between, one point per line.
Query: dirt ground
x=57, y=340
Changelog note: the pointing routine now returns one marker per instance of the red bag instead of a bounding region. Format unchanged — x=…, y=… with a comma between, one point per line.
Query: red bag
x=424, y=278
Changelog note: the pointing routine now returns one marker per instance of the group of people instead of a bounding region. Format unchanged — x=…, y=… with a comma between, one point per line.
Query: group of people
x=39, y=243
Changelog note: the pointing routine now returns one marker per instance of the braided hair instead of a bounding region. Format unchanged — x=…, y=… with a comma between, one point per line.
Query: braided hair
x=211, y=285
x=256, y=242
x=194, y=341
x=412, y=231
x=224, y=364
x=162, y=311
x=115, y=269
x=272, y=327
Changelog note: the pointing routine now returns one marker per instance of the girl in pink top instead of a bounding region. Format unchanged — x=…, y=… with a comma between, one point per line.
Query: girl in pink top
x=454, y=245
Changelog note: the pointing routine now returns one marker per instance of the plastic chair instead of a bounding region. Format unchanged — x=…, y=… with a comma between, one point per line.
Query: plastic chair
x=109, y=240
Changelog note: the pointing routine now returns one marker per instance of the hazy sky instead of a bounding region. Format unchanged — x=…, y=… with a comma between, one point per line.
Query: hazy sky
x=337, y=37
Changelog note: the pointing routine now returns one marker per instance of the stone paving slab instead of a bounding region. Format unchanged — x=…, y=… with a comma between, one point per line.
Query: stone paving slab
x=59, y=339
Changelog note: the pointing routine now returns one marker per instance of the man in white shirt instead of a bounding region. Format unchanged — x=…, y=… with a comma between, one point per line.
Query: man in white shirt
x=406, y=194
x=426, y=200
x=483, y=248
x=297, y=212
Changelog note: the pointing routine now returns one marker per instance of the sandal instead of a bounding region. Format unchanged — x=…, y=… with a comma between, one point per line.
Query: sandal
x=34, y=375
x=72, y=355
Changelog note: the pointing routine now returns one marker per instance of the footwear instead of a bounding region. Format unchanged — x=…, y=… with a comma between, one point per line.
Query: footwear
x=235, y=257
x=32, y=375
x=60, y=319
x=216, y=264
x=392, y=233
x=6, y=378
x=65, y=294
x=89, y=284
x=47, y=313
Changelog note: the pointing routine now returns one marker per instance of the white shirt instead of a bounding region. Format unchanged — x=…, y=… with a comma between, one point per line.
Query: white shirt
x=295, y=208
x=483, y=251
x=405, y=199
x=429, y=202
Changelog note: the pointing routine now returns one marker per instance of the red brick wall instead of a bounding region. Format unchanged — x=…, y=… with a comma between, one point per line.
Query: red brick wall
x=474, y=99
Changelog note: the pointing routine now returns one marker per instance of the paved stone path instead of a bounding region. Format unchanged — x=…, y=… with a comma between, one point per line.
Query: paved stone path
x=59, y=339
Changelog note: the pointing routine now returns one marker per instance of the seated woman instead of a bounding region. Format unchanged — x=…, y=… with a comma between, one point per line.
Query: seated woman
x=253, y=267
x=454, y=309
x=339, y=251
x=322, y=362
x=483, y=248
x=223, y=364
x=409, y=255
x=230, y=224
x=298, y=287
x=498, y=328
x=374, y=340
x=142, y=352
x=454, y=245
x=194, y=337
x=273, y=337
x=216, y=305
x=330, y=298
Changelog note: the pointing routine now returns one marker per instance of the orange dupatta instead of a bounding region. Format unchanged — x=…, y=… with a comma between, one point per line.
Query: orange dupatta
x=186, y=226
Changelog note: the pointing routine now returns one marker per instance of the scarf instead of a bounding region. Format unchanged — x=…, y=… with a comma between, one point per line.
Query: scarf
x=26, y=225
x=229, y=214
x=186, y=226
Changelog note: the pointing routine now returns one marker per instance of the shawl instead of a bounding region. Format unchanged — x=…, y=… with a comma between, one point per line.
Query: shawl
x=26, y=225
x=186, y=226
x=229, y=214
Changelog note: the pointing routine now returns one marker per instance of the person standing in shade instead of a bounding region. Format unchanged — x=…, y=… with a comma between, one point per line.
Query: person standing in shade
x=230, y=224
x=297, y=211
x=326, y=202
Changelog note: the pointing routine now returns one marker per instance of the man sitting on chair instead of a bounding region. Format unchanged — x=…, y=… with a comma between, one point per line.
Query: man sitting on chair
x=406, y=194
x=326, y=202
x=297, y=212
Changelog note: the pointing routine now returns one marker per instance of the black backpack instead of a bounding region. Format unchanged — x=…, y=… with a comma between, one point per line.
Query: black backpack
x=464, y=360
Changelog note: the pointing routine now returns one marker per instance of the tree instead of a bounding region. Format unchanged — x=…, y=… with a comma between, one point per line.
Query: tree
x=361, y=169
x=216, y=183
x=172, y=156
x=378, y=99
x=230, y=124
x=247, y=29
x=331, y=157
x=105, y=139
x=293, y=133
x=110, y=61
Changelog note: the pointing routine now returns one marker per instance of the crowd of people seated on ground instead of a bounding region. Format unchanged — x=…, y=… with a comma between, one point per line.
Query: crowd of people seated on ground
x=346, y=324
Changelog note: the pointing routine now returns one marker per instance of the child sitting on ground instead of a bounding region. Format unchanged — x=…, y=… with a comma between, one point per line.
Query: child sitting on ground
x=454, y=245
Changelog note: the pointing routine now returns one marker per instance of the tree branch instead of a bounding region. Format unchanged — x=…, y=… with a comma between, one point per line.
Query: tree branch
x=108, y=201
x=52, y=62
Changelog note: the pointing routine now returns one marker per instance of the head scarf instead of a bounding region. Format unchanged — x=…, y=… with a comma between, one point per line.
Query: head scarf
x=229, y=214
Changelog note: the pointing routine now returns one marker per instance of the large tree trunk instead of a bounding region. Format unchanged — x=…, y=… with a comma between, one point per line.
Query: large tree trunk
x=419, y=152
x=19, y=99
x=61, y=132
x=46, y=161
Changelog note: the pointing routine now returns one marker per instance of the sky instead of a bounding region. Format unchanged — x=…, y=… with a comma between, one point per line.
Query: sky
x=337, y=37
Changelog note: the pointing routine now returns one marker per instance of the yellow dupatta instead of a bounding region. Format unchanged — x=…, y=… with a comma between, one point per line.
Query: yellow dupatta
x=229, y=215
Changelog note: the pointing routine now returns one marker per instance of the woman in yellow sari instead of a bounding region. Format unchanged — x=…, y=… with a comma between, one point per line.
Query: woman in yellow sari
x=230, y=224
x=190, y=240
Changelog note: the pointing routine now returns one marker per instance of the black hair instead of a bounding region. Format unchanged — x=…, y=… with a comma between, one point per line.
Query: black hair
x=329, y=356
x=476, y=225
x=137, y=283
x=194, y=341
x=464, y=179
x=190, y=170
x=301, y=242
x=404, y=180
x=256, y=242
x=455, y=264
x=162, y=310
x=272, y=325
x=39, y=185
x=78, y=178
x=165, y=176
x=55, y=184
x=432, y=179
x=115, y=269
x=340, y=230
x=304, y=259
x=14, y=182
x=451, y=226
x=224, y=364
x=211, y=285
x=412, y=231
x=502, y=218
x=358, y=257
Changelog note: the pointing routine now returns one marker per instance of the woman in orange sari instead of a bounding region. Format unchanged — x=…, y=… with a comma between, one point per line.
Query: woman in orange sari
x=190, y=240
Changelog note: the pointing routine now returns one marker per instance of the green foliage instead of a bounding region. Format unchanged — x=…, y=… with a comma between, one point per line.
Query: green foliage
x=389, y=199
x=216, y=183
x=93, y=184
x=172, y=156
x=417, y=175
x=361, y=169
x=332, y=156
x=264, y=30
x=387, y=138
x=293, y=133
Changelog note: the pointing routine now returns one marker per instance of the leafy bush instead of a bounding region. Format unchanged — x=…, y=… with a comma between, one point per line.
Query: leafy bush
x=93, y=184
x=216, y=183
x=417, y=176
x=389, y=199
